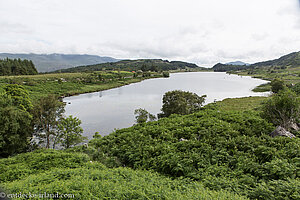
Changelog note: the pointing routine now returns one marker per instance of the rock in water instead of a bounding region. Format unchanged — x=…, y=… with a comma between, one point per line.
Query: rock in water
x=280, y=131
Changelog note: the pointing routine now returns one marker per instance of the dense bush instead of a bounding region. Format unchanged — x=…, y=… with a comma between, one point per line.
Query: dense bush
x=223, y=150
x=55, y=172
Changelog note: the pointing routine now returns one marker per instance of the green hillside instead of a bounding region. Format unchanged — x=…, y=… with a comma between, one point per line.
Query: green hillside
x=134, y=65
x=223, y=150
x=291, y=60
x=74, y=175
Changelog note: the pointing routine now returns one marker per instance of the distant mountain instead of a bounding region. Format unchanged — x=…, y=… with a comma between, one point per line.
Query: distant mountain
x=237, y=63
x=289, y=60
x=134, y=65
x=51, y=62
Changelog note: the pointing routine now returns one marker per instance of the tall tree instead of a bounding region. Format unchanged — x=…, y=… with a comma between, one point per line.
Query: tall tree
x=16, y=127
x=69, y=132
x=47, y=112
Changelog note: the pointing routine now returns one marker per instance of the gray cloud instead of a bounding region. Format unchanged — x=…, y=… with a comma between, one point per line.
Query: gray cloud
x=205, y=32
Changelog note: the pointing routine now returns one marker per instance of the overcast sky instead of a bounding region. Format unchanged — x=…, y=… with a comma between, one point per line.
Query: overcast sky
x=200, y=31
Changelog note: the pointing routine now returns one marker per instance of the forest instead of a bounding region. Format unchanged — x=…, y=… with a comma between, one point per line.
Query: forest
x=16, y=67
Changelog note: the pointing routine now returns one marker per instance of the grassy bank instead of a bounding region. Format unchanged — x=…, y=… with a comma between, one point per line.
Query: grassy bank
x=290, y=75
x=240, y=104
x=68, y=84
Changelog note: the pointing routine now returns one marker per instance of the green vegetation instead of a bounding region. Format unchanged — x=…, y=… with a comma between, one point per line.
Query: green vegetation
x=142, y=116
x=60, y=172
x=68, y=84
x=240, y=104
x=277, y=85
x=15, y=122
x=221, y=149
x=291, y=60
x=69, y=132
x=262, y=88
x=286, y=68
x=180, y=102
x=283, y=109
x=47, y=114
x=16, y=67
x=219, y=67
x=135, y=65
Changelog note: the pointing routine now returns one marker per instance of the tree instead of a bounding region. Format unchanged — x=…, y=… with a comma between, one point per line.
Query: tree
x=16, y=127
x=143, y=115
x=19, y=96
x=282, y=109
x=180, y=102
x=69, y=132
x=277, y=85
x=47, y=112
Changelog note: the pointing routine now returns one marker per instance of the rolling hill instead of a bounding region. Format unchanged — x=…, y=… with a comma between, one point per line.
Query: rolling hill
x=134, y=65
x=291, y=60
x=51, y=62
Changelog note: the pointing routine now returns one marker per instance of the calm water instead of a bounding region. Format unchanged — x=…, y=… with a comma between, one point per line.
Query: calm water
x=106, y=110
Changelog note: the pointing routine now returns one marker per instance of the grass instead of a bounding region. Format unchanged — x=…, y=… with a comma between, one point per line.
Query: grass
x=241, y=104
x=68, y=84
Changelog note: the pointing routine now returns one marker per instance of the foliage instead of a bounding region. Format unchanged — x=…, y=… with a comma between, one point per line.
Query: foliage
x=69, y=132
x=19, y=96
x=277, y=85
x=16, y=129
x=166, y=74
x=282, y=109
x=16, y=67
x=47, y=112
x=71, y=173
x=181, y=102
x=143, y=115
x=296, y=88
x=221, y=149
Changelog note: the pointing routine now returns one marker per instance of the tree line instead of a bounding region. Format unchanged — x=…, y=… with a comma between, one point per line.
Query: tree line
x=26, y=126
x=17, y=67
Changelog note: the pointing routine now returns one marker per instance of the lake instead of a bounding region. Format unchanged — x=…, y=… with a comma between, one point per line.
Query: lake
x=112, y=109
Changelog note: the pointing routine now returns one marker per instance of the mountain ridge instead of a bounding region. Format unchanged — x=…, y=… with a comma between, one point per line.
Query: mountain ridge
x=56, y=61
x=288, y=60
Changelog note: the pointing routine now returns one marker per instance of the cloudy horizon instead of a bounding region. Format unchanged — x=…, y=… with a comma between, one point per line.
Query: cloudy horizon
x=198, y=31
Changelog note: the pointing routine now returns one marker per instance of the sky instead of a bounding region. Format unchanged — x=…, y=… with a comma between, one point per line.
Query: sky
x=204, y=32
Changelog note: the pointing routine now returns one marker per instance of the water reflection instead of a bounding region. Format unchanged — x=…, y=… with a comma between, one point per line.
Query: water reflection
x=115, y=107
